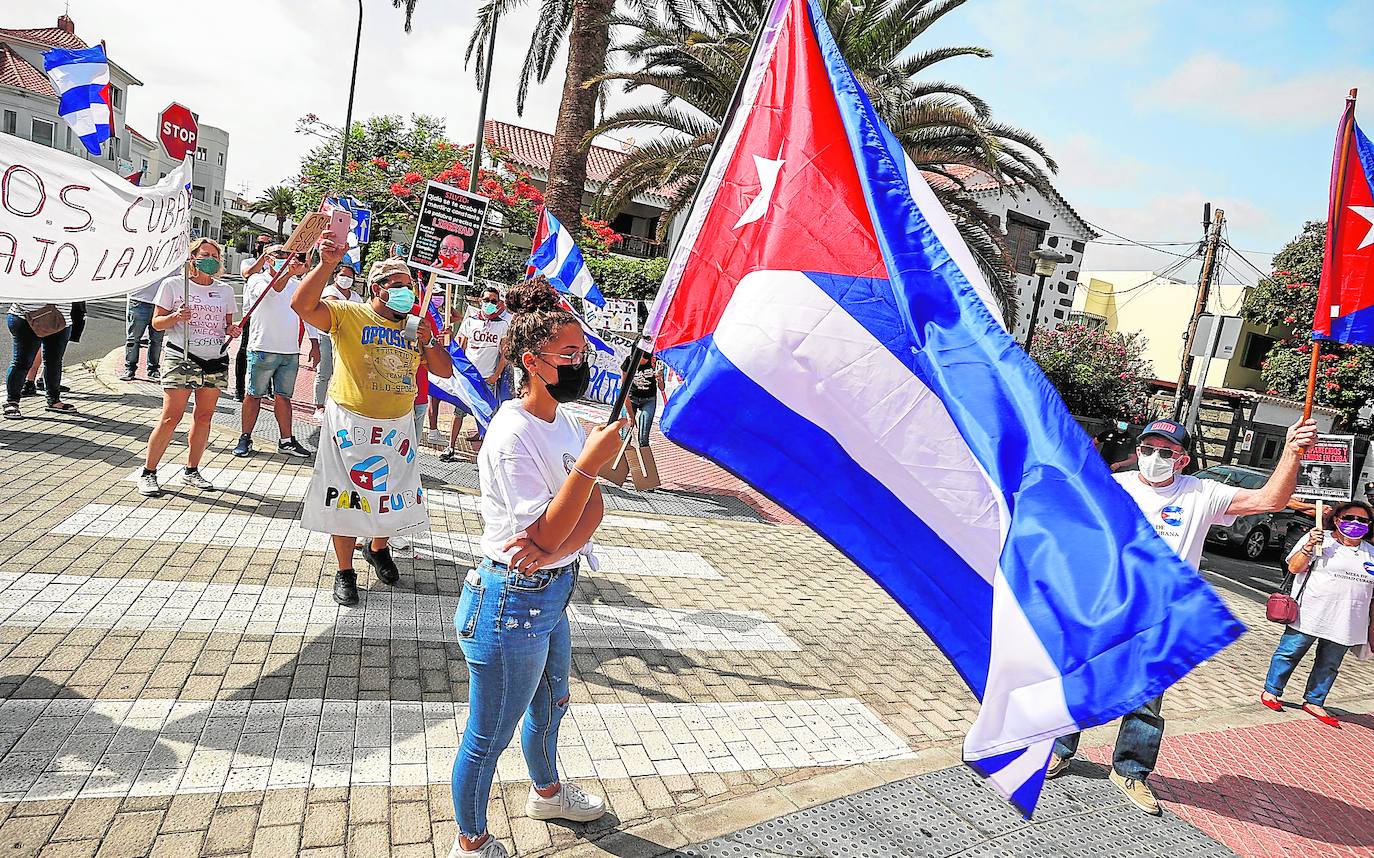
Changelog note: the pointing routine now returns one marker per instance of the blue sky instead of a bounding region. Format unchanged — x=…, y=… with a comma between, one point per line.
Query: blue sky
x=1151, y=106
x=1154, y=106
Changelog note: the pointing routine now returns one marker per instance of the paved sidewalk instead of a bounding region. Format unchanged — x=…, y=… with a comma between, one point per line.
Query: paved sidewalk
x=175, y=680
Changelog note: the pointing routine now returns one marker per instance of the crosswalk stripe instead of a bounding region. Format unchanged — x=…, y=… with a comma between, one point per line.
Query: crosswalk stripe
x=80, y=748
x=263, y=533
x=293, y=486
x=47, y=601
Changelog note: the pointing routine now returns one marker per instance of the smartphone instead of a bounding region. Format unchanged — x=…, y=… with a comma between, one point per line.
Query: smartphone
x=340, y=222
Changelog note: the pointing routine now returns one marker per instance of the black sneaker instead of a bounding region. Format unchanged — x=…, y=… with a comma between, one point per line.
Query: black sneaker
x=41, y=386
x=29, y=389
x=292, y=447
x=382, y=564
x=154, y=374
x=245, y=446
x=126, y=375
x=346, y=587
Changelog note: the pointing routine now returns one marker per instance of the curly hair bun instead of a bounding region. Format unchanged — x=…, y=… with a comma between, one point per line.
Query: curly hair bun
x=534, y=295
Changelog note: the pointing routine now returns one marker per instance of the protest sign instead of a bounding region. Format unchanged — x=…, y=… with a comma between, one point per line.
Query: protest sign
x=606, y=375
x=1327, y=469
x=621, y=316
x=74, y=231
x=447, y=232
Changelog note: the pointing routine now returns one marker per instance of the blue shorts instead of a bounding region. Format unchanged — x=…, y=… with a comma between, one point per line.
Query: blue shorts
x=279, y=371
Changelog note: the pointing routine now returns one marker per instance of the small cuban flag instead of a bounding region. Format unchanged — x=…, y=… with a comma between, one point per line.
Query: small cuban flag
x=82, y=80
x=557, y=256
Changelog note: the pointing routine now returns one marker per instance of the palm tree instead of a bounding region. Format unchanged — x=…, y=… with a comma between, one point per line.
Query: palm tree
x=278, y=202
x=695, y=60
x=585, y=24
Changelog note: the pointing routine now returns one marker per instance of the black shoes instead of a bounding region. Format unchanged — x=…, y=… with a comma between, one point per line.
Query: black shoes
x=292, y=447
x=346, y=587
x=245, y=446
x=382, y=564
x=29, y=389
x=126, y=375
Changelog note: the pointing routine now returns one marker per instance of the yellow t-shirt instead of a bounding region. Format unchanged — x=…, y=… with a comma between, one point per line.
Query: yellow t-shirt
x=374, y=364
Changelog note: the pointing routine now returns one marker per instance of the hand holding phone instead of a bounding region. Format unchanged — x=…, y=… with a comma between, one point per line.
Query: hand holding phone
x=340, y=221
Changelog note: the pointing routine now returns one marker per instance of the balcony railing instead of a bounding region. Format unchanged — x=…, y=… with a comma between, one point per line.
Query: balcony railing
x=633, y=245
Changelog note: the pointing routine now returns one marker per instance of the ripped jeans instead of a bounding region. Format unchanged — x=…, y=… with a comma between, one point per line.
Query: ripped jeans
x=514, y=633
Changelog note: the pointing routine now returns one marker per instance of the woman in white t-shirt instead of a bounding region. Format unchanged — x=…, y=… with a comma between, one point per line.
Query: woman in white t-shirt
x=197, y=314
x=1335, y=587
x=339, y=289
x=541, y=506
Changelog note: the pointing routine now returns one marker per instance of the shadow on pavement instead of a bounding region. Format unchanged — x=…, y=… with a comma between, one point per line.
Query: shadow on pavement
x=1283, y=807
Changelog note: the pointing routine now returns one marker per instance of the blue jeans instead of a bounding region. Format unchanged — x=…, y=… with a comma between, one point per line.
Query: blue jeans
x=644, y=418
x=26, y=346
x=1292, y=647
x=514, y=633
x=1137, y=742
x=140, y=320
x=270, y=371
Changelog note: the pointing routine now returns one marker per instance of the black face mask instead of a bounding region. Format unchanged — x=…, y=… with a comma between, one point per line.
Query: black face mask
x=572, y=381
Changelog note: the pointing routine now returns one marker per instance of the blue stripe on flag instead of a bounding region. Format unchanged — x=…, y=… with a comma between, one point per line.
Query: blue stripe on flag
x=467, y=388
x=726, y=416
x=80, y=98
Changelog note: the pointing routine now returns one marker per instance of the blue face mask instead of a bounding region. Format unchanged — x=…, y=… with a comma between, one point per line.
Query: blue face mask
x=400, y=299
x=489, y=309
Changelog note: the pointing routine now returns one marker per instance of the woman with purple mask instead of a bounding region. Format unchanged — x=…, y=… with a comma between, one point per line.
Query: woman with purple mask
x=1334, y=586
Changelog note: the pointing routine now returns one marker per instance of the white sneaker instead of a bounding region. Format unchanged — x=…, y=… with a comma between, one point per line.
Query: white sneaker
x=570, y=803
x=491, y=849
x=398, y=544
x=436, y=438
x=196, y=480
x=148, y=487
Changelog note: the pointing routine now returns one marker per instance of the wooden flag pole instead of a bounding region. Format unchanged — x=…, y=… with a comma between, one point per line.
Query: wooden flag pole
x=1333, y=227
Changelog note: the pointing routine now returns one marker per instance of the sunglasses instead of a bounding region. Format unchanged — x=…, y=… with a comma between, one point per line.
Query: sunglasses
x=1163, y=452
x=1358, y=518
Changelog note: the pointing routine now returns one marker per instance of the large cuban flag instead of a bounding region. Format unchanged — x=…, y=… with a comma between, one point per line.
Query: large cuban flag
x=1345, y=298
x=840, y=352
x=82, y=80
x=556, y=255
x=466, y=388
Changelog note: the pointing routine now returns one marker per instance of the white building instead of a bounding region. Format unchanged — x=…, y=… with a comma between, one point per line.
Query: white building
x=28, y=102
x=1032, y=220
x=28, y=109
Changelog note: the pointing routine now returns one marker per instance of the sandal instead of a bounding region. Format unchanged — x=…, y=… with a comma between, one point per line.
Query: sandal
x=12, y=411
x=62, y=408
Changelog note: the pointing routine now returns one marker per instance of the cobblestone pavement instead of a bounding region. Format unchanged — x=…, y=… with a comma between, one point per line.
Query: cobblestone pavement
x=175, y=681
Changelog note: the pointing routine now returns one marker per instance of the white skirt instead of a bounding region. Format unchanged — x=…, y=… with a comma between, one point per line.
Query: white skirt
x=367, y=477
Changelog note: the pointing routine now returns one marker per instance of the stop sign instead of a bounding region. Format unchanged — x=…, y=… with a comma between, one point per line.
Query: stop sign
x=177, y=130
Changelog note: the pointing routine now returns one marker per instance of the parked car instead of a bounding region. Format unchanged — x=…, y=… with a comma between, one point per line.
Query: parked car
x=1250, y=536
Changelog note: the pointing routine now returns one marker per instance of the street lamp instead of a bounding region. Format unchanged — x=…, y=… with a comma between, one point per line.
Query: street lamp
x=482, y=104
x=353, y=85
x=1045, y=263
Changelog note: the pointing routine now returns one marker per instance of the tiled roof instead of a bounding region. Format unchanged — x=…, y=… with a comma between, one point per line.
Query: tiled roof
x=17, y=72
x=977, y=181
x=52, y=37
x=533, y=149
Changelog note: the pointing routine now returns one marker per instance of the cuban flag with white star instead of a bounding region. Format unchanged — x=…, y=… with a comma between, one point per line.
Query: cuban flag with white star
x=840, y=351
x=1345, y=296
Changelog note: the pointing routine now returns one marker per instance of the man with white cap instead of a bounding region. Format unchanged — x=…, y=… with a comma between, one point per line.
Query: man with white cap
x=1181, y=509
x=366, y=483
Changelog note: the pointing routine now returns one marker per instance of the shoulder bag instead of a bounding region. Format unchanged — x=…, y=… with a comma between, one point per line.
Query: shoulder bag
x=46, y=321
x=1283, y=608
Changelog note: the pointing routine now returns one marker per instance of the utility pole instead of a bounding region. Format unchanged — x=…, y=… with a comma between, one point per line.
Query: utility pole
x=1204, y=286
x=352, y=87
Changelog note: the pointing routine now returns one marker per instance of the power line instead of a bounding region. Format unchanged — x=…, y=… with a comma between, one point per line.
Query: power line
x=1130, y=240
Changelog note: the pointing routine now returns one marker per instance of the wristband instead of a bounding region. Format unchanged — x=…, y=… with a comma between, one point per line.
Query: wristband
x=583, y=473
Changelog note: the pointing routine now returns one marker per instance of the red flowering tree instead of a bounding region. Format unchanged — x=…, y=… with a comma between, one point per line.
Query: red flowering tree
x=1098, y=373
x=390, y=160
x=1286, y=299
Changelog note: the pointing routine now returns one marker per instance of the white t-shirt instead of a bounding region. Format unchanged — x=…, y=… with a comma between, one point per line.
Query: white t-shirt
x=1335, y=603
x=209, y=307
x=484, y=341
x=1183, y=511
x=274, y=327
x=148, y=294
x=523, y=464
x=246, y=264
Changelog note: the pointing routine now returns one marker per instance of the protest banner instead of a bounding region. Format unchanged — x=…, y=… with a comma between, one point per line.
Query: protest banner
x=447, y=232
x=71, y=230
x=1327, y=469
x=621, y=316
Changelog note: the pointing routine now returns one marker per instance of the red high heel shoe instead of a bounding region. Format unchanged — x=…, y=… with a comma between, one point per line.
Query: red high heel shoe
x=1328, y=720
x=1274, y=704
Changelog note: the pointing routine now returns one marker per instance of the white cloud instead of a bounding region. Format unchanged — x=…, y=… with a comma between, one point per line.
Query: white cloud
x=256, y=66
x=1045, y=34
x=1210, y=86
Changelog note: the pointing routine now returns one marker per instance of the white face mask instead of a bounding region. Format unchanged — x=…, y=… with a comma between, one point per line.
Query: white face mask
x=344, y=281
x=1156, y=468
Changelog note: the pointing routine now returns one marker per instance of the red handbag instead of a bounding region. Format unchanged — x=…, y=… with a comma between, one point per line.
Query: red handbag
x=1283, y=608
